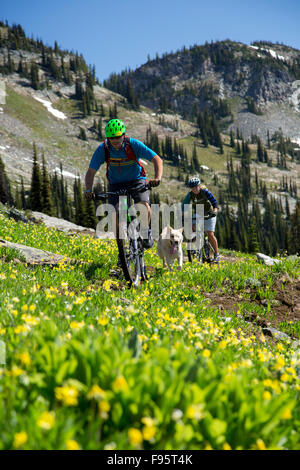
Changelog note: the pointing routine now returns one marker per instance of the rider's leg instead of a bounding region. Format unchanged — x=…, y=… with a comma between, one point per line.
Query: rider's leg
x=213, y=241
x=148, y=242
x=145, y=203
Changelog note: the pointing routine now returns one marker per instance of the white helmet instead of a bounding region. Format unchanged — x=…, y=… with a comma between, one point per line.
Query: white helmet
x=193, y=182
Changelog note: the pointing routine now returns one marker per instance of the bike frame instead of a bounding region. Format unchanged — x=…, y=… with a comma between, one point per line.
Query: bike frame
x=131, y=249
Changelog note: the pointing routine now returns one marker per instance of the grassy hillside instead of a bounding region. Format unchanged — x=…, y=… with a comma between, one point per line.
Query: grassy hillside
x=25, y=120
x=91, y=364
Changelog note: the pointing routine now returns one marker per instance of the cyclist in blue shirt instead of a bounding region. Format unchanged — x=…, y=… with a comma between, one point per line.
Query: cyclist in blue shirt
x=124, y=169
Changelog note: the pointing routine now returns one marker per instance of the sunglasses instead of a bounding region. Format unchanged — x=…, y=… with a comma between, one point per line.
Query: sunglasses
x=117, y=137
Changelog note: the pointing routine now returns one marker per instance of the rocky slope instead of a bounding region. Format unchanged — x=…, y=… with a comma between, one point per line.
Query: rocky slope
x=52, y=117
x=198, y=77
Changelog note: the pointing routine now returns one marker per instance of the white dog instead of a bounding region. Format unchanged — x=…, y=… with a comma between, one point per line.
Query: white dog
x=169, y=247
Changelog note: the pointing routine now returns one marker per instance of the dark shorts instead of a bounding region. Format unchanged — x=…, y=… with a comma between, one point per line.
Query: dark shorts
x=135, y=191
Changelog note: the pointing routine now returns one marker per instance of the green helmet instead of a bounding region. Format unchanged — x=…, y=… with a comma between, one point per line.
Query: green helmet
x=114, y=128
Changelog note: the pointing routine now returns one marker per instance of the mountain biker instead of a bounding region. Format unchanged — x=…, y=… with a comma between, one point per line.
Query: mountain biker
x=199, y=194
x=124, y=168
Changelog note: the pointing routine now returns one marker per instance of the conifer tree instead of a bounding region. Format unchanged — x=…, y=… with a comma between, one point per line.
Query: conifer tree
x=34, y=76
x=46, y=191
x=90, y=217
x=23, y=196
x=18, y=201
x=195, y=162
x=232, y=141
x=5, y=192
x=100, y=133
x=82, y=134
x=80, y=211
x=36, y=197
x=260, y=151
x=294, y=233
x=253, y=239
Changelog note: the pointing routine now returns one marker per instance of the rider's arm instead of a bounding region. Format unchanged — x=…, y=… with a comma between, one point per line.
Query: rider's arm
x=89, y=179
x=186, y=200
x=211, y=199
x=158, y=167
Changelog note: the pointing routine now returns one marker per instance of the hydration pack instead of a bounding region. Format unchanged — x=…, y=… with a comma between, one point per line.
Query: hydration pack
x=130, y=155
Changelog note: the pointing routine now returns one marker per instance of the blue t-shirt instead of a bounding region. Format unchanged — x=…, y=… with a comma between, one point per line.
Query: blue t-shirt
x=118, y=171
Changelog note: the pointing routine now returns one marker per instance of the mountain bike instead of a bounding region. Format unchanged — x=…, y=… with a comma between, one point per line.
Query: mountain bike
x=129, y=240
x=201, y=250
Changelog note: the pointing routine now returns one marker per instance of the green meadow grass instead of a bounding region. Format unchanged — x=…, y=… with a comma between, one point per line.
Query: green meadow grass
x=91, y=364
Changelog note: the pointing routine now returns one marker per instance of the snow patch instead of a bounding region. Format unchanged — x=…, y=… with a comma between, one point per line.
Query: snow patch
x=65, y=173
x=51, y=110
x=271, y=51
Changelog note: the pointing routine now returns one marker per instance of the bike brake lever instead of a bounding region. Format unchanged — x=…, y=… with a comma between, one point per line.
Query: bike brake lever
x=101, y=197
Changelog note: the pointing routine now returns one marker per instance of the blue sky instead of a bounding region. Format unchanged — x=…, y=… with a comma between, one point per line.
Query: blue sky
x=117, y=34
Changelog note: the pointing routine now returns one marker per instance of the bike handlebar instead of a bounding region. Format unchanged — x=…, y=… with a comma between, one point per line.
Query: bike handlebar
x=205, y=217
x=120, y=192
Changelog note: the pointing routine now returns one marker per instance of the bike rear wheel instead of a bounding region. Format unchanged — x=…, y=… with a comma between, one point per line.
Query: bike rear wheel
x=209, y=252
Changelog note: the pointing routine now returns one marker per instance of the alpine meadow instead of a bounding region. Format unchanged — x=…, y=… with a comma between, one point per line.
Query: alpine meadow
x=200, y=358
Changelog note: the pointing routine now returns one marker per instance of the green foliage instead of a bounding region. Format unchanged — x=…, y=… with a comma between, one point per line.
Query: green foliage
x=57, y=64
x=91, y=364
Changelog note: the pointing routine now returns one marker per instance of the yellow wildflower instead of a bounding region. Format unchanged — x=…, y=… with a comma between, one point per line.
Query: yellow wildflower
x=28, y=319
x=280, y=363
x=195, y=411
x=20, y=438
x=96, y=393
x=103, y=321
x=21, y=329
x=67, y=394
x=284, y=377
x=267, y=395
x=75, y=325
x=149, y=432
x=135, y=437
x=120, y=384
x=14, y=372
x=260, y=445
x=226, y=446
x=79, y=300
x=286, y=414
x=24, y=358
x=208, y=447
x=104, y=408
x=72, y=445
x=46, y=420
x=206, y=353
x=106, y=284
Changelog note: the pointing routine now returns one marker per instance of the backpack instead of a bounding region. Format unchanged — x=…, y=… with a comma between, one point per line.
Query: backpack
x=130, y=155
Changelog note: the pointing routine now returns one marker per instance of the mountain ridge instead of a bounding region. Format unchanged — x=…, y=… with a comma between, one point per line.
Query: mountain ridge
x=191, y=79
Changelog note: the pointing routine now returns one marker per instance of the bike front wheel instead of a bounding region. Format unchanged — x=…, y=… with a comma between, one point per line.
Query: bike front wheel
x=194, y=255
x=128, y=246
